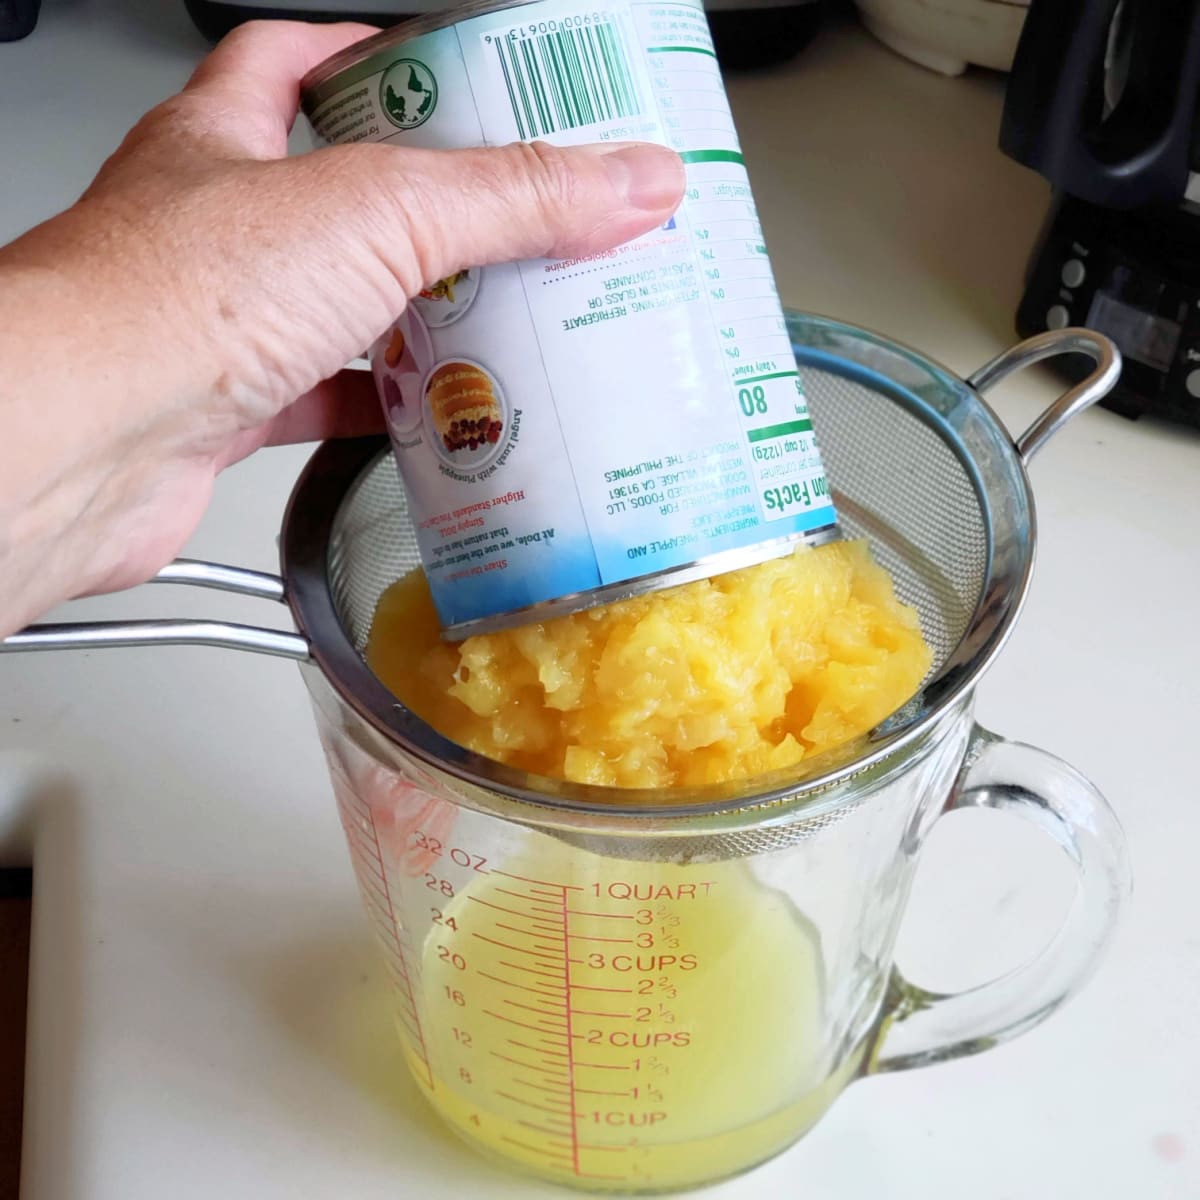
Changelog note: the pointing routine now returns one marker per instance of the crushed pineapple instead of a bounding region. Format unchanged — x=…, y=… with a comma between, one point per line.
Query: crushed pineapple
x=717, y=680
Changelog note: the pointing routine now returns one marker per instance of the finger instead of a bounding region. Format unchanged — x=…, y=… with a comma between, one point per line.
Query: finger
x=259, y=67
x=434, y=212
x=345, y=405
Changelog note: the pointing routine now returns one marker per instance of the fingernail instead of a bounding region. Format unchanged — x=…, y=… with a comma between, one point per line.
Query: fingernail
x=645, y=176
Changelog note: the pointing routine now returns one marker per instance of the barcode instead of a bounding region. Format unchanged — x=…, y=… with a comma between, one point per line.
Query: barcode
x=567, y=78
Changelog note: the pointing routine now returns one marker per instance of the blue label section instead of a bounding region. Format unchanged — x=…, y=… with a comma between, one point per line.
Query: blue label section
x=530, y=574
x=550, y=569
x=663, y=549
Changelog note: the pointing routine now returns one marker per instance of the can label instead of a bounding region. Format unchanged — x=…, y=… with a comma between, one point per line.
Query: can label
x=566, y=427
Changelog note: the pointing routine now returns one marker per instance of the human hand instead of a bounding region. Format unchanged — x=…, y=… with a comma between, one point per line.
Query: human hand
x=202, y=297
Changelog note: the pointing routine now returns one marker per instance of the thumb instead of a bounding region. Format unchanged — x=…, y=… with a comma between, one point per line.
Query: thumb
x=465, y=208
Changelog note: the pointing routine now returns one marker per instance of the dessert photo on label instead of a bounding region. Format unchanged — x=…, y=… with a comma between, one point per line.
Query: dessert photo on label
x=465, y=414
x=448, y=300
x=399, y=362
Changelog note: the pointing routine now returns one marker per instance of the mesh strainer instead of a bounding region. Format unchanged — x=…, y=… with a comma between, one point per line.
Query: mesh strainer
x=920, y=466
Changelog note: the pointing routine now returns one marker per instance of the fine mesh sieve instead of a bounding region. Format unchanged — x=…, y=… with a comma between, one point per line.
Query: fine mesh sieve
x=919, y=466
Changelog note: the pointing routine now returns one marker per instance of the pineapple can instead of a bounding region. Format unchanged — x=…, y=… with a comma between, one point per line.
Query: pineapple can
x=571, y=432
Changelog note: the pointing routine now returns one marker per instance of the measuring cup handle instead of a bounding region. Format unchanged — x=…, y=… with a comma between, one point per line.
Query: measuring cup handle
x=1074, y=400
x=919, y=1027
x=91, y=635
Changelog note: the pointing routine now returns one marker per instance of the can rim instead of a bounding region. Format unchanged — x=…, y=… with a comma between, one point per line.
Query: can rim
x=316, y=78
x=708, y=566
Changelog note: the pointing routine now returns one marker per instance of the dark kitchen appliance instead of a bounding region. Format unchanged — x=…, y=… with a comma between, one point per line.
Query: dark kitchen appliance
x=17, y=18
x=1102, y=101
x=746, y=33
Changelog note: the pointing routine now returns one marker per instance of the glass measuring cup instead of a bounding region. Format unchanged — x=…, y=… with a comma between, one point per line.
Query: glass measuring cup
x=645, y=994
x=651, y=1005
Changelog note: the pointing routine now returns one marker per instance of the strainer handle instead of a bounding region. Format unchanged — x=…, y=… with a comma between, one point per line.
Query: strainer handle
x=91, y=635
x=1074, y=400
x=919, y=1027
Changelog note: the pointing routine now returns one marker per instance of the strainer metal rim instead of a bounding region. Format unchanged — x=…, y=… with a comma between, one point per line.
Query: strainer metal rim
x=328, y=482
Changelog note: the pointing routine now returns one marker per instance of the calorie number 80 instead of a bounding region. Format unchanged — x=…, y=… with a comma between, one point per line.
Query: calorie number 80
x=752, y=400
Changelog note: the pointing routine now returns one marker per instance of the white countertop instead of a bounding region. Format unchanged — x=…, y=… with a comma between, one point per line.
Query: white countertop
x=207, y=1014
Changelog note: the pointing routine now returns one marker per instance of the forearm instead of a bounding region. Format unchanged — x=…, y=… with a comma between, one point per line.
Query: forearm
x=75, y=424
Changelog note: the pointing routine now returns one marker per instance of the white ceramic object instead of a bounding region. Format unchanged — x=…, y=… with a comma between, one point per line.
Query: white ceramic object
x=948, y=35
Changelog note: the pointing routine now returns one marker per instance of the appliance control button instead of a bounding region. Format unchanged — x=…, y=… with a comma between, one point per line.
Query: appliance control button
x=1058, y=317
x=1073, y=273
x=1192, y=383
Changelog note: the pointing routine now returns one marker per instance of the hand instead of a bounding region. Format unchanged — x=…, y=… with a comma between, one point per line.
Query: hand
x=202, y=297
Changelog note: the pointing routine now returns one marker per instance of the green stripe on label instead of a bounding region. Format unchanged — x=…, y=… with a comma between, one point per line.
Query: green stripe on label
x=681, y=50
x=764, y=378
x=767, y=432
x=703, y=156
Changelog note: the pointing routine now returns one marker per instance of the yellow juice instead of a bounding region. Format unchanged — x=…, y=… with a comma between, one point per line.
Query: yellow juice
x=623, y=1026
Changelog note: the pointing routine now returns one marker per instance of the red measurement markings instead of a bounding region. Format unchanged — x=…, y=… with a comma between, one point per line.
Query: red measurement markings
x=542, y=908
x=558, y=887
x=558, y=1041
x=556, y=1109
x=532, y=971
x=499, y=907
x=551, y=1054
x=517, y=949
x=566, y=933
x=548, y=1015
x=354, y=832
x=547, y=975
x=531, y=933
x=521, y=987
x=554, y=1133
x=550, y=1154
x=384, y=912
x=517, y=1062
x=545, y=1087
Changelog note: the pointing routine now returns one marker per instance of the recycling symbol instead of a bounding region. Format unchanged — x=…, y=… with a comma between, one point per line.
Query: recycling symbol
x=408, y=93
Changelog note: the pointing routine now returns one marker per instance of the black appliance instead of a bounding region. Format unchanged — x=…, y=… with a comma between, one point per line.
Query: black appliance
x=1102, y=101
x=746, y=33
x=17, y=18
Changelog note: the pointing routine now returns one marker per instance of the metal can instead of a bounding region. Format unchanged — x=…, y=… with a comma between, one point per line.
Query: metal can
x=575, y=432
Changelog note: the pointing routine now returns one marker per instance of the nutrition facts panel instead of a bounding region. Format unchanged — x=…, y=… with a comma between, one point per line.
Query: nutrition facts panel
x=736, y=275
